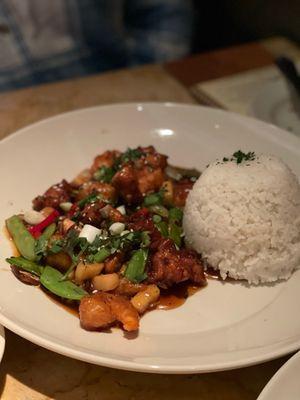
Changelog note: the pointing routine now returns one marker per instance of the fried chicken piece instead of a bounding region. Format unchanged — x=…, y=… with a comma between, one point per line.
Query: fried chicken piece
x=107, y=159
x=83, y=177
x=151, y=158
x=170, y=266
x=91, y=214
x=150, y=169
x=149, y=179
x=100, y=310
x=181, y=190
x=114, y=215
x=107, y=191
x=113, y=263
x=56, y=194
x=125, y=182
x=141, y=220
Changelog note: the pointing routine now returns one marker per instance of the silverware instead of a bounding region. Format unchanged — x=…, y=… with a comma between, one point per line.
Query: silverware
x=289, y=70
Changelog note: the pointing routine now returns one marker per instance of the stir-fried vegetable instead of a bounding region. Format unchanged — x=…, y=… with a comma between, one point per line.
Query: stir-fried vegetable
x=26, y=265
x=112, y=239
x=42, y=242
x=37, y=230
x=23, y=240
x=153, y=199
x=101, y=255
x=175, y=215
x=135, y=271
x=52, y=280
x=104, y=174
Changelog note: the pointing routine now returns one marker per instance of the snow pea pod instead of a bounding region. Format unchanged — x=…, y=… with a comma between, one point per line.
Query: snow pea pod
x=23, y=240
x=51, y=279
x=26, y=265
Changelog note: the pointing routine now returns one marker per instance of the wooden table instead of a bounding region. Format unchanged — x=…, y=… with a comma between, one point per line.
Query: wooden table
x=31, y=372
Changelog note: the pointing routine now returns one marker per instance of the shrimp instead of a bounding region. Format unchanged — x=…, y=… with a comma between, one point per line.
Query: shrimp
x=95, y=312
x=99, y=310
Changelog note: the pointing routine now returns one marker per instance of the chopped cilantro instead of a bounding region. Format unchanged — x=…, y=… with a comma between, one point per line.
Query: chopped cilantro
x=91, y=198
x=127, y=156
x=154, y=198
x=104, y=174
x=239, y=156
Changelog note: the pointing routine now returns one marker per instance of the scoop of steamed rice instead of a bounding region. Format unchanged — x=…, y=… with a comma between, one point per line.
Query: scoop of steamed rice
x=244, y=219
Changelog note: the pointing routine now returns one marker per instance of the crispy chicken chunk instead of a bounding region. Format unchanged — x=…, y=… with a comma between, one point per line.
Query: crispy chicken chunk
x=125, y=181
x=171, y=266
x=100, y=310
x=56, y=194
x=181, y=191
x=107, y=191
x=107, y=159
x=150, y=169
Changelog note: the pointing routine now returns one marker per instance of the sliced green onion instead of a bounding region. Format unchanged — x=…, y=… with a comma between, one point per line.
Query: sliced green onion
x=175, y=233
x=135, y=271
x=163, y=228
x=160, y=210
x=156, y=218
x=101, y=255
x=175, y=215
x=153, y=199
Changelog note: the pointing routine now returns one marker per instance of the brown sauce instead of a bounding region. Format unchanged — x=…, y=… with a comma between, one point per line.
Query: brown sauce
x=175, y=296
x=14, y=249
x=71, y=307
x=211, y=273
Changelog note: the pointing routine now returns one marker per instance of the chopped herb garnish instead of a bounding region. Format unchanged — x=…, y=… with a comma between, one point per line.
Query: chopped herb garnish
x=239, y=156
x=156, y=218
x=127, y=156
x=175, y=215
x=154, y=198
x=131, y=155
x=104, y=174
x=91, y=198
x=42, y=242
x=175, y=233
x=163, y=228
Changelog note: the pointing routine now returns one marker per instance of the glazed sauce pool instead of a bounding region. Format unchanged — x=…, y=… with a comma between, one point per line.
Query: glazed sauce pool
x=175, y=296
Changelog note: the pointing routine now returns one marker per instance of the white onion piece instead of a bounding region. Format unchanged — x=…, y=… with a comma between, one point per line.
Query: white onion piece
x=66, y=206
x=117, y=228
x=122, y=210
x=89, y=232
x=33, y=217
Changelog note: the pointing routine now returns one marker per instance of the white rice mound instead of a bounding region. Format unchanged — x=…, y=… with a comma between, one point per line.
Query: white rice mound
x=245, y=219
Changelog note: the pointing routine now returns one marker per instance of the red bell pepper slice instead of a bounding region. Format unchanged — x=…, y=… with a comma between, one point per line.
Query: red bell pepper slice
x=36, y=230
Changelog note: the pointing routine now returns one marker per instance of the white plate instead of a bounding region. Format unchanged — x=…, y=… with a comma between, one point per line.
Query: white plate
x=222, y=326
x=285, y=384
x=273, y=104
